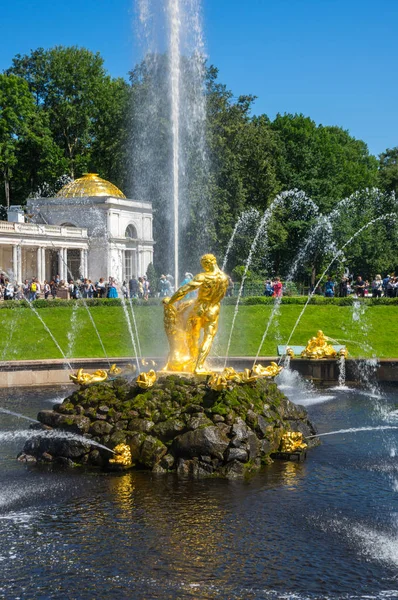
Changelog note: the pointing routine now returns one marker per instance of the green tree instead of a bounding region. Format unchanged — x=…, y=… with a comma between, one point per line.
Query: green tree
x=388, y=170
x=375, y=249
x=325, y=162
x=68, y=84
x=153, y=278
x=17, y=111
x=110, y=145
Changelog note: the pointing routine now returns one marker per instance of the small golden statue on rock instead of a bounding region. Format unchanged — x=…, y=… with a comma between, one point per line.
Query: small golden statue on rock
x=292, y=441
x=114, y=370
x=318, y=347
x=122, y=456
x=187, y=321
x=219, y=381
x=82, y=378
x=271, y=371
x=146, y=380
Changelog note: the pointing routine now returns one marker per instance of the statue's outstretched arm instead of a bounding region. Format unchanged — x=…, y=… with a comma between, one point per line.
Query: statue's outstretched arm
x=191, y=286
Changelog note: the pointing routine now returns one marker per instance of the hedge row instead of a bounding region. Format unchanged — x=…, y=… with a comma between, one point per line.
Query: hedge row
x=246, y=301
x=41, y=303
x=315, y=300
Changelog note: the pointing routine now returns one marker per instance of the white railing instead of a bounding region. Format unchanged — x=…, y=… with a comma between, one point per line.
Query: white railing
x=38, y=229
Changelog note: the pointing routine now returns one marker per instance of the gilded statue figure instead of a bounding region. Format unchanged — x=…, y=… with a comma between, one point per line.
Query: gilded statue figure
x=146, y=380
x=318, y=347
x=186, y=322
x=292, y=441
x=122, y=456
x=82, y=378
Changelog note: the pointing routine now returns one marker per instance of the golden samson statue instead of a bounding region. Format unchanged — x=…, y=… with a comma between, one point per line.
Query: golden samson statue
x=191, y=325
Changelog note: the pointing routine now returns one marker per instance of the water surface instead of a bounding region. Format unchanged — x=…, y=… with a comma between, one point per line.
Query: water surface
x=327, y=528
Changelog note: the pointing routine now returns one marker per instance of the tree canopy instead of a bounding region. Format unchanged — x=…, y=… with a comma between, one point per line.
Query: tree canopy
x=62, y=114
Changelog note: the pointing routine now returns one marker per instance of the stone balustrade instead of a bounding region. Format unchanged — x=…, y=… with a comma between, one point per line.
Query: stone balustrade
x=35, y=229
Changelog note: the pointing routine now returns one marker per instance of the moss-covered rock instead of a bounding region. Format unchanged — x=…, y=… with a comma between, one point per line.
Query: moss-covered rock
x=180, y=425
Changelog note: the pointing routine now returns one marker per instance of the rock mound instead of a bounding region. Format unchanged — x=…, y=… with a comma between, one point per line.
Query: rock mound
x=179, y=424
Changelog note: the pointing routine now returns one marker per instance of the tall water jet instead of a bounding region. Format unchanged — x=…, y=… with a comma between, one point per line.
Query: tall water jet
x=169, y=157
x=175, y=26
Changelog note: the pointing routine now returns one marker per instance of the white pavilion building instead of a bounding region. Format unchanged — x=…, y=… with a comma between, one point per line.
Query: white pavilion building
x=89, y=229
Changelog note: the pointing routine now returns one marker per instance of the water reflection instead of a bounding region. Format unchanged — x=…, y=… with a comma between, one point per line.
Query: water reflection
x=291, y=474
x=89, y=534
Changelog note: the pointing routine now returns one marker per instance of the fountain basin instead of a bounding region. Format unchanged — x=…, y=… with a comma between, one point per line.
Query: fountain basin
x=179, y=425
x=53, y=372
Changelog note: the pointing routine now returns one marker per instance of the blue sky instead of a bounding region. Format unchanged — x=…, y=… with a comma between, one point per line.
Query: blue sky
x=333, y=60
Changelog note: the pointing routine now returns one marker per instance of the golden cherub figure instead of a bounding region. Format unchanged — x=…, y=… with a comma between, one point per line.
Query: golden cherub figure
x=318, y=347
x=194, y=318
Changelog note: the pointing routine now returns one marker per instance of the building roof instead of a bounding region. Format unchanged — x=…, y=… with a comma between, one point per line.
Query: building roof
x=89, y=185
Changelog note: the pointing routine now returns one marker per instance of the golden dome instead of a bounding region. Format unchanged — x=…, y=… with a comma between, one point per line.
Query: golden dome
x=89, y=185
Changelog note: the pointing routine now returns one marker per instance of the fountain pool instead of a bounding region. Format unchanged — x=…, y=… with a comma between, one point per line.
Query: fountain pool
x=326, y=528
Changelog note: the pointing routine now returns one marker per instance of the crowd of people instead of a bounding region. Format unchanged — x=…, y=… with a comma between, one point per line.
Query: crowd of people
x=32, y=289
x=362, y=288
x=139, y=287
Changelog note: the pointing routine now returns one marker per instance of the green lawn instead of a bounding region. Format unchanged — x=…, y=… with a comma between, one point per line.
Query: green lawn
x=375, y=332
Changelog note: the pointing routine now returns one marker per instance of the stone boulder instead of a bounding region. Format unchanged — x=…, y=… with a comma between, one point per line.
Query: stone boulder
x=179, y=425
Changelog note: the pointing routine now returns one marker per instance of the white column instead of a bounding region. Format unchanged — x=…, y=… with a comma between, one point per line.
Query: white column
x=65, y=264
x=123, y=266
x=85, y=254
x=38, y=262
x=81, y=266
x=19, y=264
x=139, y=262
x=14, y=262
x=43, y=262
x=60, y=263
x=83, y=263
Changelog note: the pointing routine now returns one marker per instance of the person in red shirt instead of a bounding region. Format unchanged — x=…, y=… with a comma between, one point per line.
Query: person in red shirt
x=277, y=287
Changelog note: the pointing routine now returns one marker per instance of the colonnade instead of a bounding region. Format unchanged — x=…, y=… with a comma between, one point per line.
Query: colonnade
x=41, y=263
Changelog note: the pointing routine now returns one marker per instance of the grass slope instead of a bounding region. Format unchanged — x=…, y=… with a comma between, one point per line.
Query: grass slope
x=368, y=331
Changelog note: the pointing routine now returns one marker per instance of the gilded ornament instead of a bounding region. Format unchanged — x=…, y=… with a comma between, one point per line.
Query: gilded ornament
x=292, y=441
x=231, y=375
x=343, y=352
x=218, y=382
x=290, y=352
x=114, y=370
x=186, y=321
x=122, y=455
x=146, y=380
x=271, y=371
x=82, y=378
x=318, y=347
